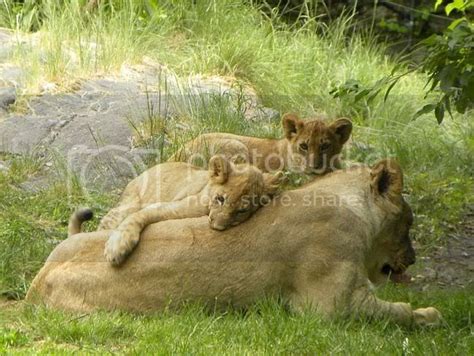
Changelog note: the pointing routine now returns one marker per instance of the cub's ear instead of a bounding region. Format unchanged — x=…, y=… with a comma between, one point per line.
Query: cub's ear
x=291, y=125
x=219, y=169
x=387, y=179
x=343, y=128
x=272, y=182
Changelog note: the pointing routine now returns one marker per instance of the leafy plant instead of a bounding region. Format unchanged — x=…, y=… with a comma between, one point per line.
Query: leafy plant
x=358, y=90
x=450, y=65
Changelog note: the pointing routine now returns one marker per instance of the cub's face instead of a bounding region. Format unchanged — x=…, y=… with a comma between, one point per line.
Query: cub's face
x=314, y=146
x=237, y=191
x=393, y=252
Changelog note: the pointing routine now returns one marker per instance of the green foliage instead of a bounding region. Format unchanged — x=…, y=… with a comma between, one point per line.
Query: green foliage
x=450, y=67
x=450, y=63
x=31, y=15
x=356, y=91
x=28, y=13
x=458, y=5
x=11, y=338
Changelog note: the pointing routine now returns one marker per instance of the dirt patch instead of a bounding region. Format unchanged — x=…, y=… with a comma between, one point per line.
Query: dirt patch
x=452, y=265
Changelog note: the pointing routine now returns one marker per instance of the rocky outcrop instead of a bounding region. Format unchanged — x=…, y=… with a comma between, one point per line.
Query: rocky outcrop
x=89, y=128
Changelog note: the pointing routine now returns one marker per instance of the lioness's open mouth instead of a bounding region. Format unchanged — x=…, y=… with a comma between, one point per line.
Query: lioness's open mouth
x=396, y=275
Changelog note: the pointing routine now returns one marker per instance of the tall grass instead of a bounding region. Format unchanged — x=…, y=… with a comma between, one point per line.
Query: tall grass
x=71, y=42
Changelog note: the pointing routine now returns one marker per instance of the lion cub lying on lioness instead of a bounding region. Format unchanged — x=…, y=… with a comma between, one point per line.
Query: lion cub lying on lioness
x=311, y=146
x=228, y=193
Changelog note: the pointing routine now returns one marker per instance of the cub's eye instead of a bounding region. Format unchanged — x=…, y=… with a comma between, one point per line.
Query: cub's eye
x=325, y=146
x=304, y=146
x=219, y=199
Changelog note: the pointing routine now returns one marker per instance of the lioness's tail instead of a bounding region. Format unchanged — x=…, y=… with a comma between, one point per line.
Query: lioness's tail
x=76, y=220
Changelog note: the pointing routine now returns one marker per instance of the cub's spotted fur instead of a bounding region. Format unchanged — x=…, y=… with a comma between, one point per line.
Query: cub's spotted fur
x=311, y=146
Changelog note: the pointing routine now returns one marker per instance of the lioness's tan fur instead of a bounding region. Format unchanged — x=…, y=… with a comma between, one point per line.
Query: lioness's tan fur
x=317, y=247
x=310, y=146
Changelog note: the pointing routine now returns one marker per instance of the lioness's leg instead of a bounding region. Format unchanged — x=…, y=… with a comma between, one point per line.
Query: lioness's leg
x=124, y=239
x=343, y=291
x=365, y=303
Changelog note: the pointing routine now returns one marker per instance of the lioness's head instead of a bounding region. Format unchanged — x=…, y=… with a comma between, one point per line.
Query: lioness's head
x=237, y=191
x=392, y=250
x=315, y=145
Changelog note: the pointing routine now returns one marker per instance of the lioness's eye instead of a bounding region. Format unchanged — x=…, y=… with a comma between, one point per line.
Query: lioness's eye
x=220, y=199
x=304, y=146
x=325, y=146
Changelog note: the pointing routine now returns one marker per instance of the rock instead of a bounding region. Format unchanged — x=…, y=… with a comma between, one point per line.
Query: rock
x=11, y=75
x=430, y=273
x=101, y=169
x=91, y=128
x=451, y=265
x=23, y=134
x=7, y=97
x=6, y=44
x=47, y=87
x=36, y=184
x=259, y=114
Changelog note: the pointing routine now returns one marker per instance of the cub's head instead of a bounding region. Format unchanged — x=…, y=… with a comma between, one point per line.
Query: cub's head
x=237, y=191
x=392, y=250
x=315, y=145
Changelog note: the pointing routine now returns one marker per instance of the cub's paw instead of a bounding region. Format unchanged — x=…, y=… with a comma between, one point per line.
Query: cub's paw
x=427, y=316
x=118, y=247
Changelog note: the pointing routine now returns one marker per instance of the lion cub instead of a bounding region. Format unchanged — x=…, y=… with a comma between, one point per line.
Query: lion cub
x=229, y=194
x=309, y=146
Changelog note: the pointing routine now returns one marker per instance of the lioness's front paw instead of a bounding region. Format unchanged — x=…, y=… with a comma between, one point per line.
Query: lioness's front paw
x=118, y=247
x=427, y=316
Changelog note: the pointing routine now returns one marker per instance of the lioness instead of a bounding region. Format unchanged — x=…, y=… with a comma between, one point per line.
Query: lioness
x=309, y=146
x=229, y=194
x=319, y=247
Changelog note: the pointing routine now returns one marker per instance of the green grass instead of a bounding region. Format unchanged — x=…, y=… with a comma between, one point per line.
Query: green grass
x=266, y=328
x=292, y=67
x=33, y=222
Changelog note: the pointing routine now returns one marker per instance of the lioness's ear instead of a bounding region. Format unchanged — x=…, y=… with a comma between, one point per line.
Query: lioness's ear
x=291, y=125
x=343, y=128
x=219, y=169
x=272, y=182
x=387, y=179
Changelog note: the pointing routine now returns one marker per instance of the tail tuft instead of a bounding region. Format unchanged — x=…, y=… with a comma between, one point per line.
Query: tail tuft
x=84, y=214
x=76, y=220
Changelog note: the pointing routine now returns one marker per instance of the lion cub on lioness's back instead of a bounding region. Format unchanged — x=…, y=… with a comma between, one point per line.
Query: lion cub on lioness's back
x=311, y=146
x=228, y=193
